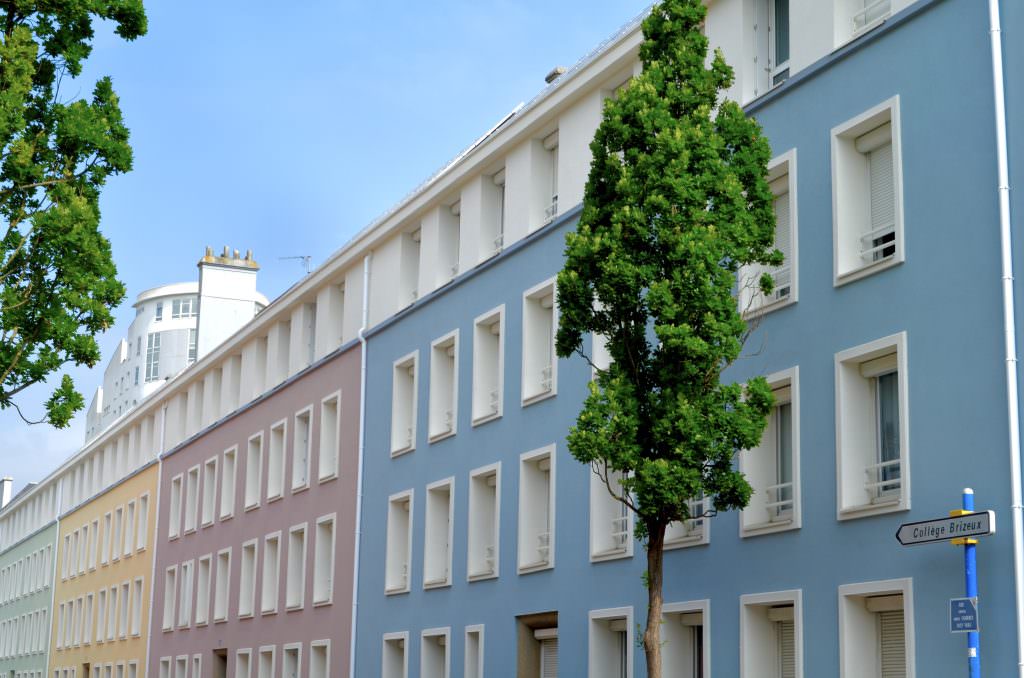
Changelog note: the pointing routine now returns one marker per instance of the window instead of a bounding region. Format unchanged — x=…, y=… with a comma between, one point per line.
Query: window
x=772, y=468
x=540, y=375
x=395, y=662
x=115, y=539
x=170, y=597
x=320, y=659
x=473, y=666
x=611, y=526
x=271, y=573
x=782, y=181
x=399, y=542
x=222, y=586
x=493, y=237
x=227, y=484
x=437, y=535
x=867, y=190
x=209, y=490
x=611, y=646
x=192, y=345
x=444, y=386
x=330, y=429
x=247, y=580
x=197, y=666
x=112, y=616
x=771, y=633
x=86, y=627
x=191, y=499
x=685, y=647
x=295, y=588
x=136, y=607
x=872, y=449
x=275, y=460
x=101, y=614
x=323, y=561
x=187, y=582
x=854, y=17
x=548, y=176
x=203, y=590
x=488, y=365
x=693, y=531
x=291, y=664
x=403, y=404
x=876, y=629
x=159, y=313
x=484, y=521
x=409, y=267
x=129, y=528
x=536, y=510
x=771, y=44
x=174, y=517
x=254, y=472
x=138, y=351
x=180, y=667
x=243, y=664
x=301, y=449
x=186, y=307
x=136, y=381
x=266, y=662
x=434, y=660
x=153, y=355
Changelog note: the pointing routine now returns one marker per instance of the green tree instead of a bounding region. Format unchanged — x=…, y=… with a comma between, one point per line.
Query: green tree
x=58, y=281
x=676, y=202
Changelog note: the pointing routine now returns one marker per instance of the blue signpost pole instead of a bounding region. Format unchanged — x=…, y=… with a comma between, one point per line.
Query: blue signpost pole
x=971, y=576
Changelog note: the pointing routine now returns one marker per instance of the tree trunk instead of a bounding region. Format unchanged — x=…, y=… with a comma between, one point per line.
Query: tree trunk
x=652, y=634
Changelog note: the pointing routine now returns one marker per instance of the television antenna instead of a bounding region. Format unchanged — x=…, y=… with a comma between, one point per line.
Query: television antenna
x=306, y=260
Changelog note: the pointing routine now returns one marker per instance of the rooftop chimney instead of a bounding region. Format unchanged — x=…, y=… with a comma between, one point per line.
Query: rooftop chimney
x=555, y=74
x=6, y=484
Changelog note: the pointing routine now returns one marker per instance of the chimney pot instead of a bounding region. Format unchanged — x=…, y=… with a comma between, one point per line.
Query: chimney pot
x=555, y=73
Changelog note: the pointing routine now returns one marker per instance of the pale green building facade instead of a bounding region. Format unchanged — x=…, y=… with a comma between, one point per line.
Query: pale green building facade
x=26, y=598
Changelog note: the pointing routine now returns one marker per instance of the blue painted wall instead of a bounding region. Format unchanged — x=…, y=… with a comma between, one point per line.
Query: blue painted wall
x=946, y=296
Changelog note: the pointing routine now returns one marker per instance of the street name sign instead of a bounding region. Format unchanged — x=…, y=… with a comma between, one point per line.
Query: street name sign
x=976, y=524
x=963, y=615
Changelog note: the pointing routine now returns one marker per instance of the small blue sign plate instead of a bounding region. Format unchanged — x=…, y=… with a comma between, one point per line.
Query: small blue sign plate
x=963, y=615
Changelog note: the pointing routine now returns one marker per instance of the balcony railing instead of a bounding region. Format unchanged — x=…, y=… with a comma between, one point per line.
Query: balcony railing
x=780, y=504
x=872, y=12
x=884, y=480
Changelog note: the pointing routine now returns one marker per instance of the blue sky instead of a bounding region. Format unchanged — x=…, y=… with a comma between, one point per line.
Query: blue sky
x=288, y=130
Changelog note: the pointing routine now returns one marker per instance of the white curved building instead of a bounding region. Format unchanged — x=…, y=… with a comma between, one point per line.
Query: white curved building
x=171, y=331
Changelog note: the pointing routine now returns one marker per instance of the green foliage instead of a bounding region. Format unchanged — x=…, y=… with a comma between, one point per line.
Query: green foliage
x=58, y=281
x=676, y=201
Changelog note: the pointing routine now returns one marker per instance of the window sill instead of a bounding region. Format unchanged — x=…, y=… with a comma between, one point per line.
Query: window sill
x=436, y=584
x=298, y=607
x=267, y=613
x=251, y=507
x=322, y=603
x=394, y=591
x=327, y=478
x=686, y=542
x=481, y=576
x=206, y=523
x=302, y=488
x=894, y=505
x=245, y=615
x=769, y=527
x=276, y=497
x=479, y=421
x=438, y=437
x=538, y=397
x=222, y=620
x=611, y=554
x=402, y=450
x=855, y=274
x=190, y=530
x=538, y=566
x=769, y=307
x=227, y=516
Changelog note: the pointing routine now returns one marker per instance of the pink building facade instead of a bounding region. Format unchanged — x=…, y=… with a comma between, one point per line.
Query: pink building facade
x=256, y=534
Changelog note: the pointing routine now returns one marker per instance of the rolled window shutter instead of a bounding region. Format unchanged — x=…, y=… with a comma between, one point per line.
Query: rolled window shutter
x=783, y=240
x=883, y=190
x=891, y=644
x=787, y=649
x=549, y=658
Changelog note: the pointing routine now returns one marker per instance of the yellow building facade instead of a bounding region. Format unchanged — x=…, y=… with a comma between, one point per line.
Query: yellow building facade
x=103, y=582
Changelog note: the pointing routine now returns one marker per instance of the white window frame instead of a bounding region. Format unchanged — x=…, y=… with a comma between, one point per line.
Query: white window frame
x=400, y=445
x=594, y=660
x=250, y=594
x=170, y=601
x=535, y=295
x=431, y=635
x=850, y=454
x=275, y=493
x=253, y=505
x=218, y=593
x=756, y=603
x=333, y=519
x=186, y=587
x=599, y=493
x=851, y=661
x=495, y=556
x=848, y=202
x=427, y=514
x=270, y=582
x=227, y=498
x=533, y=457
x=174, y=518
x=247, y=653
x=306, y=412
x=313, y=646
x=752, y=302
x=702, y=607
x=262, y=651
x=754, y=519
x=478, y=670
x=495, y=398
x=440, y=403
x=396, y=499
x=396, y=637
x=209, y=491
x=689, y=539
x=328, y=447
x=285, y=649
x=300, y=566
x=190, y=522
x=202, y=606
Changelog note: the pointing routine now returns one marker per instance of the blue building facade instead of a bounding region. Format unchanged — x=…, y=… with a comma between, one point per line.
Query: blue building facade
x=483, y=543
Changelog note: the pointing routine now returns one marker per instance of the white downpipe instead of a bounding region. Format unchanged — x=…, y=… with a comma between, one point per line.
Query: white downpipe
x=359, y=465
x=1009, y=324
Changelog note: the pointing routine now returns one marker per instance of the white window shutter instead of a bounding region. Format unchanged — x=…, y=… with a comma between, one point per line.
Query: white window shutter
x=891, y=644
x=549, y=658
x=787, y=649
x=883, y=191
x=783, y=243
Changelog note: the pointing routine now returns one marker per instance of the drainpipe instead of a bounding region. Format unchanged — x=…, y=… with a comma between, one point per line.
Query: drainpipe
x=1009, y=324
x=359, y=466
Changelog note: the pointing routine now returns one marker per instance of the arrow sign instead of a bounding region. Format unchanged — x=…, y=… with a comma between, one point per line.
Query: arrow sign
x=976, y=524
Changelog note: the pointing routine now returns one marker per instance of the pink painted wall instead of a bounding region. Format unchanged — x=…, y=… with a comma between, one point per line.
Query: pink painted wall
x=337, y=496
